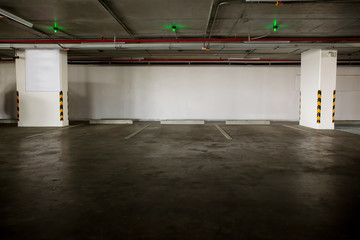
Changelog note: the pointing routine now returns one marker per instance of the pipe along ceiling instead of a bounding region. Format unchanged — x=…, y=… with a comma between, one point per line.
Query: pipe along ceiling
x=177, y=43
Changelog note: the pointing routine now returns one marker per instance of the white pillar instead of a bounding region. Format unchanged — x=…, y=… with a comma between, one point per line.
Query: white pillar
x=42, y=86
x=317, y=88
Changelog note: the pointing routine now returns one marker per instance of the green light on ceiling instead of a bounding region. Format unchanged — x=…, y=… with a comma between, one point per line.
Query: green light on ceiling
x=55, y=28
x=174, y=27
x=275, y=26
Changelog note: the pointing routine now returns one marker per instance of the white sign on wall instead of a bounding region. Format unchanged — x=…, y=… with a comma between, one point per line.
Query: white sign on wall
x=42, y=70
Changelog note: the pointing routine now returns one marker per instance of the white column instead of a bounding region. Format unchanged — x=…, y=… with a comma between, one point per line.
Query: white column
x=42, y=82
x=317, y=88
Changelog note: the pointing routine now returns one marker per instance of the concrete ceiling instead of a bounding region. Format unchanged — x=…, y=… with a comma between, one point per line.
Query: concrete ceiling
x=200, y=19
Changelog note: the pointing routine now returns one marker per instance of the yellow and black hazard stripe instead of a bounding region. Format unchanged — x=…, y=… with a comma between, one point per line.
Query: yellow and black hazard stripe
x=18, y=105
x=333, y=112
x=300, y=107
x=61, y=107
x=319, y=106
x=67, y=99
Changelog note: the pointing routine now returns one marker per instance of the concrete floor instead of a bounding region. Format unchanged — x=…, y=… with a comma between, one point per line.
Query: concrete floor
x=179, y=182
x=349, y=128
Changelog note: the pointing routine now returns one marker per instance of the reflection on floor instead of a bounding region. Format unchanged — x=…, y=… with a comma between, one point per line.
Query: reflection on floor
x=351, y=128
x=179, y=182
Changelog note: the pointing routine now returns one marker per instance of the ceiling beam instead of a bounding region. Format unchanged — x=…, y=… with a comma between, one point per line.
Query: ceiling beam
x=223, y=3
x=292, y=1
x=158, y=40
x=108, y=9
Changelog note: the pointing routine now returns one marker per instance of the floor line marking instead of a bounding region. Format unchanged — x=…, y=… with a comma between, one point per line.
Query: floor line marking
x=226, y=135
x=303, y=130
x=57, y=130
x=137, y=131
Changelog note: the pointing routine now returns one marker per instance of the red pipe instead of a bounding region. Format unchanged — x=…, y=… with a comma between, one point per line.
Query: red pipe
x=189, y=60
x=7, y=60
x=182, y=40
x=198, y=60
x=185, y=60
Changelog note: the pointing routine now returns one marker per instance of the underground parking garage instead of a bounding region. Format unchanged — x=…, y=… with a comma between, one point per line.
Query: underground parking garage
x=159, y=119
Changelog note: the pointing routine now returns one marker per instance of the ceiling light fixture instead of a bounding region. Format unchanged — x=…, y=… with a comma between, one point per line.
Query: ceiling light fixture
x=275, y=26
x=174, y=27
x=55, y=27
x=16, y=18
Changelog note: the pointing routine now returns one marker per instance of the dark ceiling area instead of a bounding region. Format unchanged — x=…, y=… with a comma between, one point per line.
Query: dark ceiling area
x=153, y=31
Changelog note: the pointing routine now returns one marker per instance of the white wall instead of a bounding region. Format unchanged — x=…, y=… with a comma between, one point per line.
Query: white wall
x=347, y=105
x=183, y=92
x=318, y=72
x=7, y=91
x=310, y=83
x=188, y=92
x=327, y=87
x=39, y=104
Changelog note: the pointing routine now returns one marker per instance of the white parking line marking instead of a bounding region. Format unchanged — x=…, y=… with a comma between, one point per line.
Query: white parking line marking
x=57, y=130
x=226, y=135
x=137, y=131
x=303, y=130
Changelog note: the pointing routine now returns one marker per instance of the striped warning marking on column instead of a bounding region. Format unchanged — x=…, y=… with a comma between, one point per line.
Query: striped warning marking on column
x=67, y=99
x=319, y=106
x=300, y=107
x=61, y=107
x=333, y=112
x=17, y=105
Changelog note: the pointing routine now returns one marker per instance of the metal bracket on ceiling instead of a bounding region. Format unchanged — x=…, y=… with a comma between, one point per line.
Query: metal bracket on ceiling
x=215, y=16
x=16, y=18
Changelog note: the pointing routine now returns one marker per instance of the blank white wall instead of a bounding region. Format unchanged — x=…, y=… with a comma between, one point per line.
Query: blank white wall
x=183, y=92
x=206, y=92
x=7, y=91
x=347, y=105
x=309, y=85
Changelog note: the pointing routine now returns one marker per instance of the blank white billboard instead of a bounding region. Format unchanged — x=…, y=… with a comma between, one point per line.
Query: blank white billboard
x=42, y=70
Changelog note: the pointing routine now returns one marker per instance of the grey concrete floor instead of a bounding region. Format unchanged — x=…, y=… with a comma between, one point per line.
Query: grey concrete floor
x=349, y=128
x=179, y=182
